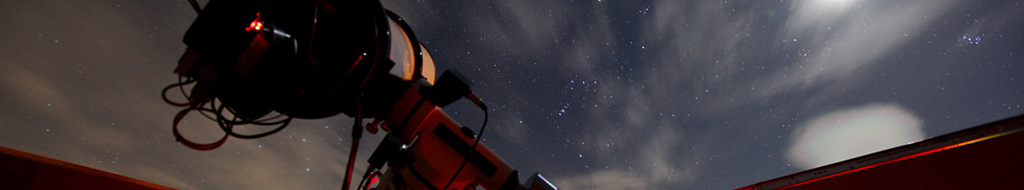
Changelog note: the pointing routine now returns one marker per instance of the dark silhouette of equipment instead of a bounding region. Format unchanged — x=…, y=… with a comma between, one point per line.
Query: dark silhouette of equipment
x=318, y=58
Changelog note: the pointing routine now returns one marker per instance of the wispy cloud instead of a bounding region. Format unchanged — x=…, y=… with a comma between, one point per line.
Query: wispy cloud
x=838, y=39
x=703, y=52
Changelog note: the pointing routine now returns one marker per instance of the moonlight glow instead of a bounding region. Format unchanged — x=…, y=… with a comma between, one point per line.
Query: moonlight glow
x=849, y=133
x=818, y=14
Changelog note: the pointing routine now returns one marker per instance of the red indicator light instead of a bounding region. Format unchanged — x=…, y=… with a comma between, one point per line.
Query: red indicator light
x=373, y=179
x=256, y=24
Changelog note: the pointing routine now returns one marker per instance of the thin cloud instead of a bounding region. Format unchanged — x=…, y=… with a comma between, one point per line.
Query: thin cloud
x=836, y=49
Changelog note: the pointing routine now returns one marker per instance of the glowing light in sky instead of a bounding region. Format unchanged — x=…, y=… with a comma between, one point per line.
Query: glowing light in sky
x=825, y=6
x=832, y=3
x=846, y=134
x=818, y=13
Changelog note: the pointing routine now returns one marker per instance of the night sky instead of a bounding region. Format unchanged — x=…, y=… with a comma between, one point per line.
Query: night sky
x=598, y=94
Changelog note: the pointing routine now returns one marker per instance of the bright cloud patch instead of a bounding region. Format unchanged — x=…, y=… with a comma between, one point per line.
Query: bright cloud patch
x=850, y=133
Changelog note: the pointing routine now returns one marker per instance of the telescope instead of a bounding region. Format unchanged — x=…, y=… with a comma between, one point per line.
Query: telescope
x=261, y=62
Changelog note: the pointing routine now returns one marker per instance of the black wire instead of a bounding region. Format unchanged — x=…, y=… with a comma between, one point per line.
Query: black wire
x=225, y=124
x=230, y=131
x=195, y=5
x=189, y=80
x=252, y=121
x=181, y=85
x=213, y=106
x=228, y=125
x=217, y=114
x=477, y=141
x=178, y=137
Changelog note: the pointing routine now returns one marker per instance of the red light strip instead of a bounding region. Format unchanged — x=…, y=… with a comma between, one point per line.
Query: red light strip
x=360, y=58
x=940, y=149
